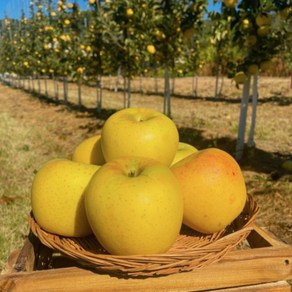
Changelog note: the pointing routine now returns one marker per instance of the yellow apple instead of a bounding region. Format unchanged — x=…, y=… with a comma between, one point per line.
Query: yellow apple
x=253, y=69
x=240, y=77
x=213, y=188
x=129, y=12
x=57, y=197
x=89, y=151
x=151, y=49
x=183, y=150
x=263, y=30
x=263, y=19
x=230, y=3
x=160, y=35
x=134, y=206
x=285, y=12
x=139, y=132
x=80, y=70
x=246, y=23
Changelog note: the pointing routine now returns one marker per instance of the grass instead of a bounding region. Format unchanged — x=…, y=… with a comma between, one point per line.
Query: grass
x=33, y=131
x=16, y=173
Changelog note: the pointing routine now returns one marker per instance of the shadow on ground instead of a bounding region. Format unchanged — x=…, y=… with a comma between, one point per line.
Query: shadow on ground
x=254, y=159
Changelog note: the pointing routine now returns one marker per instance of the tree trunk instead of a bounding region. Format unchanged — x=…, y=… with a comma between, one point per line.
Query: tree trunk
x=99, y=94
x=155, y=82
x=110, y=79
x=216, y=82
x=117, y=80
x=141, y=84
x=129, y=92
x=167, y=103
x=56, y=87
x=195, y=86
x=39, y=85
x=46, y=88
x=65, y=88
x=221, y=85
x=125, y=92
x=242, y=120
x=79, y=91
x=251, y=142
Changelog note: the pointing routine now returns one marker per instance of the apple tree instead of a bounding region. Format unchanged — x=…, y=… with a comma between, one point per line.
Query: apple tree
x=174, y=21
x=260, y=33
x=125, y=31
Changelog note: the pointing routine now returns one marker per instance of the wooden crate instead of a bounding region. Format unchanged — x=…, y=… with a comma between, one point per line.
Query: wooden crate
x=265, y=265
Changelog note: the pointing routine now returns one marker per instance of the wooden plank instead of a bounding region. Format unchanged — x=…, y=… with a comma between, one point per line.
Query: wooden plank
x=261, y=237
x=280, y=286
x=238, y=268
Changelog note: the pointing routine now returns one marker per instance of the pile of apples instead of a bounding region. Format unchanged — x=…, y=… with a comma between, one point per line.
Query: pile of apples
x=135, y=184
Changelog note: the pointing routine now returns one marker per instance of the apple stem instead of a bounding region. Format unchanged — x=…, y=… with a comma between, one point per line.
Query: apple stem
x=132, y=173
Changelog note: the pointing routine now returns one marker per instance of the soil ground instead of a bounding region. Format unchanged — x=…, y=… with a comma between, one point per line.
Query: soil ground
x=36, y=129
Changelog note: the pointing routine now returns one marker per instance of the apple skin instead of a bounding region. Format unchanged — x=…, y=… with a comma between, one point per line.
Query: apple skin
x=230, y=3
x=213, y=188
x=89, y=151
x=134, y=206
x=139, y=132
x=262, y=20
x=183, y=150
x=57, y=197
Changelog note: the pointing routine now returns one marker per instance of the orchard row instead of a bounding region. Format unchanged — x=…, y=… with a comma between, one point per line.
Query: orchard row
x=144, y=36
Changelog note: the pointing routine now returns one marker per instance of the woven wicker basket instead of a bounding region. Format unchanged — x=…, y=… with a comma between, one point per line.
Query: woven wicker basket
x=191, y=250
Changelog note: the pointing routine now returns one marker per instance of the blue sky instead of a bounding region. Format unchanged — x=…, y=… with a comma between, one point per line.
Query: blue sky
x=12, y=8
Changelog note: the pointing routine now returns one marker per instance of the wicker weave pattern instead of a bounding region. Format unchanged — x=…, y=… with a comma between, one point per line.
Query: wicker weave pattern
x=191, y=250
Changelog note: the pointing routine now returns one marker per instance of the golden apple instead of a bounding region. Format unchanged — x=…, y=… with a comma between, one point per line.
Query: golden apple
x=183, y=150
x=151, y=49
x=285, y=12
x=213, y=188
x=253, y=69
x=134, y=206
x=57, y=197
x=89, y=151
x=129, y=12
x=240, y=77
x=263, y=30
x=160, y=35
x=80, y=70
x=246, y=23
x=263, y=19
x=251, y=40
x=139, y=132
x=230, y=3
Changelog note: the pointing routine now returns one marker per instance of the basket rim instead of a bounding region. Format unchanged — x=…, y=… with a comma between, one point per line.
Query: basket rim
x=190, y=251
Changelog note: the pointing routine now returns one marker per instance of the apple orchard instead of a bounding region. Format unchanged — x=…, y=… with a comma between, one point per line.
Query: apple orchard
x=57, y=40
x=177, y=38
